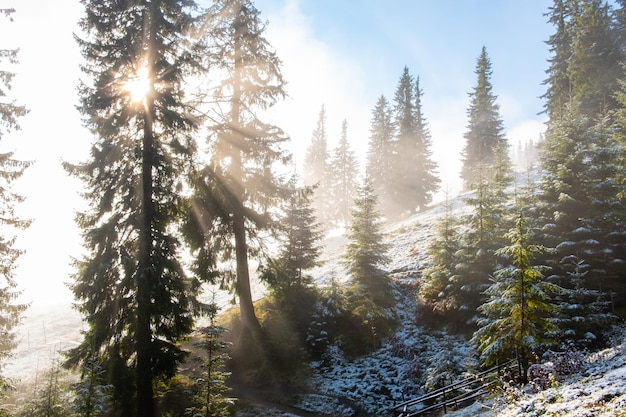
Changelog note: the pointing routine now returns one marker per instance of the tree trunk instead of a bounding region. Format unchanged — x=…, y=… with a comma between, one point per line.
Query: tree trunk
x=145, y=406
x=144, y=376
x=250, y=325
x=249, y=322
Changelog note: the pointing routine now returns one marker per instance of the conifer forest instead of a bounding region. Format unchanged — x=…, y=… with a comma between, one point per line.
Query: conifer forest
x=220, y=274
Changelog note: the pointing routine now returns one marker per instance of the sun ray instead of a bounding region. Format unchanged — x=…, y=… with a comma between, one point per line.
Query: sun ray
x=139, y=85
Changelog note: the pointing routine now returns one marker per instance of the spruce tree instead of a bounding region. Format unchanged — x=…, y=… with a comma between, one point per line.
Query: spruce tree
x=344, y=170
x=595, y=62
x=439, y=290
x=239, y=189
x=515, y=318
x=301, y=235
x=380, y=153
x=584, y=316
x=486, y=226
x=424, y=177
x=131, y=287
x=365, y=253
x=587, y=48
x=582, y=199
x=559, y=86
x=485, y=131
x=212, y=384
x=317, y=170
x=11, y=169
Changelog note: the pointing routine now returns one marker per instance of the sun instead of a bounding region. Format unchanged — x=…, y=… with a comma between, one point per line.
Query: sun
x=139, y=85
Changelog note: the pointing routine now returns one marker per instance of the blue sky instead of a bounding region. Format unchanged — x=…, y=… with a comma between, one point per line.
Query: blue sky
x=340, y=53
x=345, y=54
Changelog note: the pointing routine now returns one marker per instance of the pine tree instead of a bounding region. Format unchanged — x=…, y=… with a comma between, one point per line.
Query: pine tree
x=559, y=88
x=92, y=394
x=515, y=318
x=365, y=253
x=135, y=296
x=301, y=237
x=380, y=153
x=414, y=171
x=241, y=186
x=317, y=170
x=10, y=170
x=316, y=158
x=344, y=171
x=584, y=317
x=595, y=62
x=587, y=49
x=484, y=136
x=424, y=173
x=212, y=384
x=439, y=291
x=487, y=225
x=582, y=199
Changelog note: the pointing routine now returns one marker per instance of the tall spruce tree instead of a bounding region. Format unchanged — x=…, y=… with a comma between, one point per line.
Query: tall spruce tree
x=239, y=189
x=485, y=131
x=134, y=293
x=317, y=170
x=595, y=62
x=414, y=171
x=587, y=49
x=344, y=171
x=10, y=170
x=559, y=89
x=380, y=153
x=424, y=177
x=515, y=319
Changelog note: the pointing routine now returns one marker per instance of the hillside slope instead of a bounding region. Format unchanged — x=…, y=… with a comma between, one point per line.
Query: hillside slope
x=599, y=390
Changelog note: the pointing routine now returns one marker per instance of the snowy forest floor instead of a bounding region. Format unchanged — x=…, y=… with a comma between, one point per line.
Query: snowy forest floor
x=369, y=385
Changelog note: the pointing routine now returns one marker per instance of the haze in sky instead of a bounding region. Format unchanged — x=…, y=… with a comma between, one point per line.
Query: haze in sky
x=339, y=53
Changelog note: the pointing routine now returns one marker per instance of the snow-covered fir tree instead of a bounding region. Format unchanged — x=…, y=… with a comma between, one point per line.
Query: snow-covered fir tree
x=515, y=319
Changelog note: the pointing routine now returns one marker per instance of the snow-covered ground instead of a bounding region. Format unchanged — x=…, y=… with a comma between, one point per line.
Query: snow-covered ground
x=394, y=372
x=599, y=390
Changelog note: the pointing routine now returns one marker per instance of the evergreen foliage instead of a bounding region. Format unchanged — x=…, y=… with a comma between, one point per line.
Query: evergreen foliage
x=424, y=169
x=487, y=224
x=515, y=319
x=595, y=63
x=130, y=286
x=370, y=294
x=344, y=171
x=587, y=50
x=237, y=191
x=485, y=132
x=11, y=169
x=439, y=291
x=317, y=171
x=212, y=384
x=584, y=318
x=300, y=250
x=559, y=86
x=582, y=201
x=380, y=164
x=415, y=172
x=92, y=394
